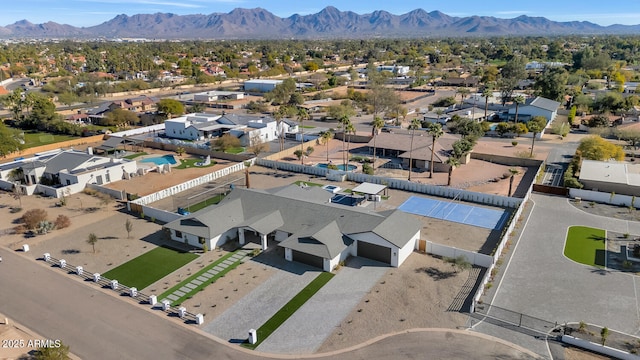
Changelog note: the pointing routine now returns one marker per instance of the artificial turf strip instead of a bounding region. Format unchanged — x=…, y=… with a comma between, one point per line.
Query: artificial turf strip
x=195, y=276
x=586, y=245
x=203, y=204
x=290, y=308
x=149, y=267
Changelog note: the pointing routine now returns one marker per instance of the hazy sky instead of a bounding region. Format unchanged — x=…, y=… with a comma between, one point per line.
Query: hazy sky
x=94, y=12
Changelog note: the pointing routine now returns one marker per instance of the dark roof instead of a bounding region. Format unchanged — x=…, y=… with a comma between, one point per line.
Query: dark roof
x=67, y=160
x=301, y=212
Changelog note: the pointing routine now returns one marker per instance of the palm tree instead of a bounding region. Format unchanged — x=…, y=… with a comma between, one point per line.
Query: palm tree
x=536, y=125
x=326, y=137
x=302, y=116
x=348, y=129
x=344, y=120
x=17, y=174
x=415, y=124
x=435, y=130
x=513, y=173
x=439, y=112
x=92, y=240
x=486, y=93
x=518, y=99
x=452, y=162
x=463, y=91
x=377, y=124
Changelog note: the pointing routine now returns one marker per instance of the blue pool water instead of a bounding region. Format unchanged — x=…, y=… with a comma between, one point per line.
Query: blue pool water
x=160, y=160
x=340, y=167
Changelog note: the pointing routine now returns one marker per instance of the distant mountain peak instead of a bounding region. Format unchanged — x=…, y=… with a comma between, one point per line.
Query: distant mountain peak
x=259, y=23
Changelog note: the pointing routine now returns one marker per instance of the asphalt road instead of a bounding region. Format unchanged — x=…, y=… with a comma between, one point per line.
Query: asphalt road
x=98, y=325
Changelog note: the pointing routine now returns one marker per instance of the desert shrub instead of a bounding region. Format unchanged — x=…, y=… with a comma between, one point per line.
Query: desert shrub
x=367, y=169
x=62, y=221
x=20, y=229
x=514, y=143
x=32, y=217
x=44, y=227
x=89, y=191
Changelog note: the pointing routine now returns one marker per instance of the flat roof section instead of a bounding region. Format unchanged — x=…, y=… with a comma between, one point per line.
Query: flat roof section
x=370, y=188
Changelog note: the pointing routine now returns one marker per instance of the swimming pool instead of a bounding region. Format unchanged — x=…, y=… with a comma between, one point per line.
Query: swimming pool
x=340, y=167
x=160, y=160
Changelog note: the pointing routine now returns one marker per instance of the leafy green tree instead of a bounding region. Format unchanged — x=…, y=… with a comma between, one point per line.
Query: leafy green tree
x=512, y=72
x=226, y=142
x=281, y=94
x=551, y=83
x=596, y=148
x=601, y=121
x=435, y=130
x=92, y=239
x=536, y=125
x=10, y=140
x=345, y=108
x=120, y=117
x=170, y=107
x=502, y=128
x=610, y=101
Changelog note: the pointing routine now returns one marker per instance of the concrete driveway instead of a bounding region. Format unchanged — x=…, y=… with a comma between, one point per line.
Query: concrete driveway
x=540, y=281
x=312, y=324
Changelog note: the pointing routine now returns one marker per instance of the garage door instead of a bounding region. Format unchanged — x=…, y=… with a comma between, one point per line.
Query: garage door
x=312, y=260
x=375, y=252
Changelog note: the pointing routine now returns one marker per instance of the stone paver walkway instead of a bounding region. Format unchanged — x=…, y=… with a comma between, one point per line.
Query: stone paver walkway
x=188, y=286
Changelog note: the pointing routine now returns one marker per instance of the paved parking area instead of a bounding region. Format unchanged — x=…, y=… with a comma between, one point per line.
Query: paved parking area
x=540, y=281
x=258, y=306
x=312, y=324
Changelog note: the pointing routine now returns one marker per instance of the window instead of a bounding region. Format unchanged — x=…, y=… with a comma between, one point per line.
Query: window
x=178, y=234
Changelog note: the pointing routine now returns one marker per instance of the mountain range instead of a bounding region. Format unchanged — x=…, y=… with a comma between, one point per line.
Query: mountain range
x=329, y=23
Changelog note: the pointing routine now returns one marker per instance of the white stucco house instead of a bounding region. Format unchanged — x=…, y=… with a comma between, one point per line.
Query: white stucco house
x=249, y=129
x=538, y=106
x=63, y=172
x=261, y=85
x=305, y=223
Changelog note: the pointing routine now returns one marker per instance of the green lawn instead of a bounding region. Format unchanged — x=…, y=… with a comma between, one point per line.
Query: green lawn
x=133, y=156
x=203, y=204
x=191, y=163
x=36, y=138
x=235, y=150
x=586, y=245
x=149, y=267
x=197, y=275
x=290, y=308
x=299, y=182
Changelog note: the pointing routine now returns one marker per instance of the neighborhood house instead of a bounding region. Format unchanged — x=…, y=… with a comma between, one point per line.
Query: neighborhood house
x=304, y=222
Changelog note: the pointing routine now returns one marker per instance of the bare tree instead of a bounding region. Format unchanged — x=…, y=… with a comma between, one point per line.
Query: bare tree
x=128, y=225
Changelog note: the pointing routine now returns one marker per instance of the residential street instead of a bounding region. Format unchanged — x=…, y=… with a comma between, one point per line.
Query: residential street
x=99, y=325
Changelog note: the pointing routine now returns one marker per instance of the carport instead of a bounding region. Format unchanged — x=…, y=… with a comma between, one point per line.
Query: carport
x=370, y=189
